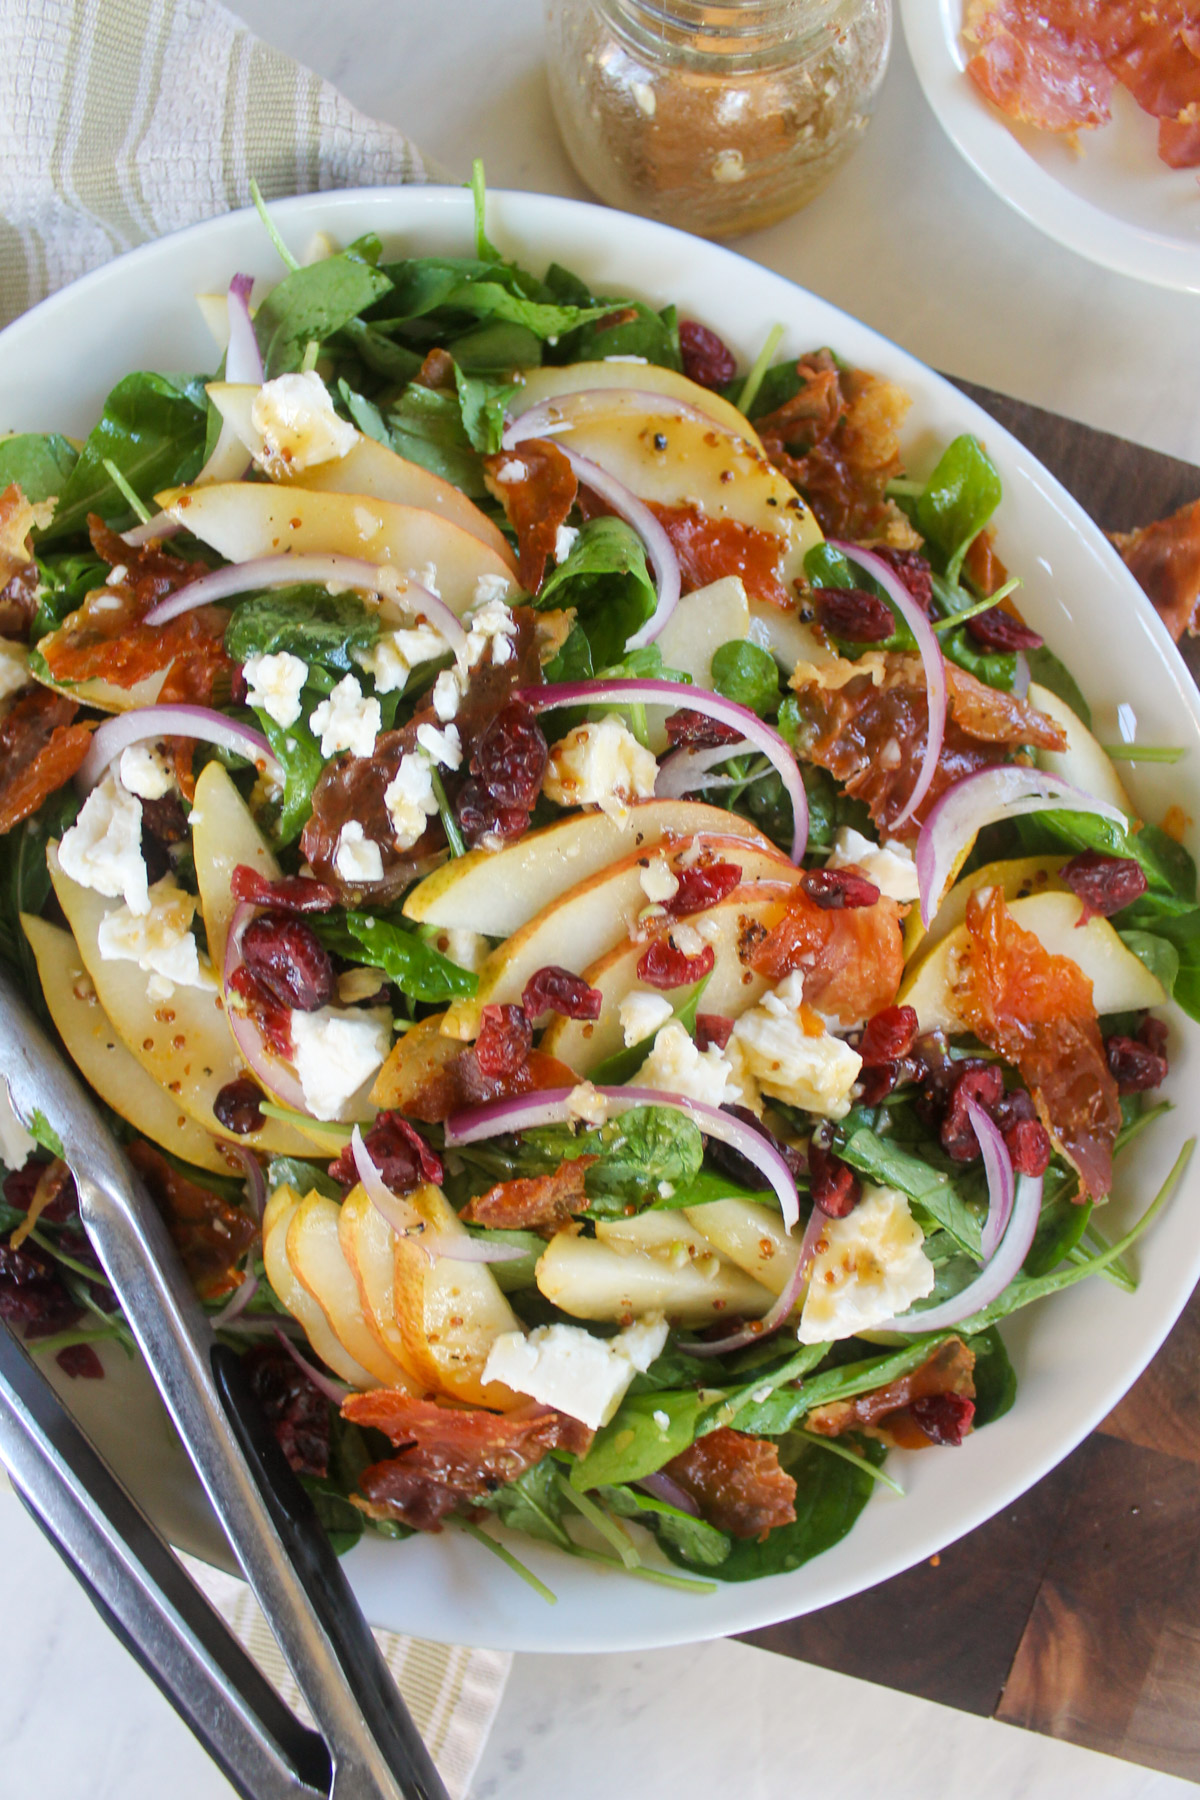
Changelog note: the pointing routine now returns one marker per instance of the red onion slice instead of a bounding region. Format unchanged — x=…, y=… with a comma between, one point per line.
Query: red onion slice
x=274, y=1075
x=283, y=571
x=243, y=361
x=256, y=1186
x=181, y=720
x=781, y=1310
x=241, y=1299
x=995, y=1276
x=688, y=769
x=758, y=735
x=563, y=412
x=552, y=1106
x=1001, y=1181
x=334, y=1391
x=932, y=660
x=1021, y=676
x=406, y=1221
x=660, y=1485
x=161, y=526
x=981, y=799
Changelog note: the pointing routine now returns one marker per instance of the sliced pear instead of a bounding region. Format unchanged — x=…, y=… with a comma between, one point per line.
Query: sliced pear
x=414, y=1062
x=315, y=1253
x=224, y=834
x=367, y=1242
x=368, y=468
x=248, y=519
x=1121, y=982
x=106, y=696
x=548, y=383
x=498, y=891
x=1084, y=762
x=731, y=988
x=702, y=621
x=281, y=1209
x=1016, y=877
x=214, y=310
x=184, y=1043
x=752, y=1236
x=591, y=1279
x=449, y=1313
x=103, y=1060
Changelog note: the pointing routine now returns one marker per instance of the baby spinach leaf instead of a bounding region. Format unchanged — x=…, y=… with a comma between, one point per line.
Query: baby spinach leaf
x=770, y=1402
x=65, y=583
x=25, y=883
x=497, y=348
x=416, y=967
x=152, y=429
x=634, y=1443
x=1046, y=669
x=299, y=756
x=701, y=1544
x=959, y=498
x=365, y=414
x=310, y=622
x=746, y=673
x=311, y=304
x=884, y=1162
x=994, y=1376
x=1061, y=1225
x=1158, y=953
x=605, y=578
x=654, y=335
x=426, y=427
x=304, y=1176
x=574, y=661
x=40, y=466
x=533, y=1503
x=483, y=401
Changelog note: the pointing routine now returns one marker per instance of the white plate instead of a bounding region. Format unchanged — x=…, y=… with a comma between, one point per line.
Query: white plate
x=1113, y=201
x=1075, y=1356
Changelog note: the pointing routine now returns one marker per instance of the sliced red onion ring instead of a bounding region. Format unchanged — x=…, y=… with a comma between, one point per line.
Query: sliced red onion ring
x=160, y=526
x=781, y=1310
x=1021, y=675
x=334, y=1391
x=688, y=769
x=237, y=1305
x=552, y=1106
x=714, y=706
x=563, y=412
x=274, y=1075
x=406, y=1221
x=256, y=1186
x=932, y=661
x=663, y=1488
x=981, y=799
x=995, y=1276
x=283, y=571
x=997, y=1164
x=199, y=722
x=243, y=361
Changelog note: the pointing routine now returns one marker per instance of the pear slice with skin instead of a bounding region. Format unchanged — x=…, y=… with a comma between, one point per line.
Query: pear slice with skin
x=1017, y=877
x=317, y=1260
x=107, y=1066
x=752, y=1236
x=281, y=1209
x=367, y=1242
x=224, y=834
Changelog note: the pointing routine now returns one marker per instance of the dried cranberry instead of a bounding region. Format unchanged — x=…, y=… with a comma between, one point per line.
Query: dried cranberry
x=836, y=1189
x=944, y=1418
x=1013, y=1107
x=482, y=817
x=31, y=1294
x=739, y=1168
x=273, y=1020
x=889, y=1035
x=701, y=887
x=510, y=758
x=556, y=990
x=80, y=1362
x=1153, y=1033
x=696, y=731
x=982, y=1085
x=289, y=960
x=238, y=1106
x=833, y=889
x=913, y=569
x=875, y=1083
x=291, y=894
x=1104, y=883
x=661, y=965
x=165, y=819
x=706, y=359
x=505, y=1036
x=1134, y=1066
x=713, y=1028
x=401, y=1155
x=854, y=615
x=1028, y=1144
x=295, y=1409
x=996, y=629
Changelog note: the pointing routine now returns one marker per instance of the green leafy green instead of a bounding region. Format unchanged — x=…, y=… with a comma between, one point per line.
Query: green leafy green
x=959, y=498
x=483, y=401
x=310, y=622
x=304, y=1176
x=309, y=305
x=1158, y=953
x=25, y=882
x=1046, y=669
x=152, y=429
x=532, y=1503
x=635, y=1443
x=605, y=578
x=415, y=966
x=43, y=1133
x=994, y=1376
x=890, y=1165
x=299, y=756
x=426, y=426
x=703, y=1546
x=746, y=673
x=40, y=466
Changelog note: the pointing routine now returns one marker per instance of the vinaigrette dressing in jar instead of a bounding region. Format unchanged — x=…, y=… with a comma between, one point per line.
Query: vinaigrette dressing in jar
x=716, y=118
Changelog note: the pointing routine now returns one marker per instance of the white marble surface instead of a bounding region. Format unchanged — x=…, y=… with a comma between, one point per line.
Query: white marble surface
x=912, y=242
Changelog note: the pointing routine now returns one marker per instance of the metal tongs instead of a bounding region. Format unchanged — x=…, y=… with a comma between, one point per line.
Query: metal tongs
x=366, y=1745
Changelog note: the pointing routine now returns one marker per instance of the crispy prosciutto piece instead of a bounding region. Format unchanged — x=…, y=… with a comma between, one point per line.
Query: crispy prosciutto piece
x=535, y=504
x=1036, y=1010
x=853, y=957
x=40, y=750
x=1164, y=558
x=18, y=571
x=211, y=1236
x=450, y=1457
x=900, y=1413
x=544, y=1203
x=870, y=730
x=737, y=1482
x=1179, y=143
x=709, y=549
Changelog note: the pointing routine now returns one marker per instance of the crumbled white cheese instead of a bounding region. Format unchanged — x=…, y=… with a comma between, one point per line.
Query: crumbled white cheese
x=627, y=359
x=160, y=940
x=661, y=1419
x=145, y=771
x=273, y=685
x=492, y=590
x=600, y=764
x=771, y=1050
x=564, y=1366
x=469, y=949
x=869, y=1267
x=685, y=937
x=16, y=1145
x=889, y=865
x=347, y=720
x=564, y=541
x=14, y=668
x=103, y=849
x=491, y=624
x=510, y=472
x=676, y=1066
x=659, y=882
x=295, y=418
x=442, y=747
x=357, y=858
x=446, y=696
x=410, y=799
x=641, y=1013
x=427, y=577
x=335, y=1054
x=395, y=654
x=584, y=1102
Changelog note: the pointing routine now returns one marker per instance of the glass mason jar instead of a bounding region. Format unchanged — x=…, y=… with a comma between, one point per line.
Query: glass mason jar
x=718, y=118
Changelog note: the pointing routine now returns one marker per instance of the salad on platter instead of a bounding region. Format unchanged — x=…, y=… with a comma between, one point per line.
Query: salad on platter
x=610, y=940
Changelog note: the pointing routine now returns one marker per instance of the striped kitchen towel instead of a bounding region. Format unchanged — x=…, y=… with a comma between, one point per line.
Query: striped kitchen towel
x=124, y=119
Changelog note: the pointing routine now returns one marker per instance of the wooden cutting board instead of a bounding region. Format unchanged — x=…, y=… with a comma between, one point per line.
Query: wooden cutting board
x=1075, y=1612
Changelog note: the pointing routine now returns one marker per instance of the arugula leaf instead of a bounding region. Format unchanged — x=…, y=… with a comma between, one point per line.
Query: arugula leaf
x=294, y=1171
x=40, y=466
x=311, y=304
x=605, y=578
x=748, y=674
x=532, y=1504
x=42, y=1132
x=416, y=967
x=310, y=622
x=959, y=498
x=483, y=401
x=703, y=1546
x=884, y=1162
x=634, y=1443
x=153, y=430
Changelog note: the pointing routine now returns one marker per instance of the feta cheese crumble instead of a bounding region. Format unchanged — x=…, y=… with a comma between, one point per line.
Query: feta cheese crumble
x=889, y=865
x=295, y=418
x=641, y=1013
x=601, y=764
x=564, y=542
x=772, y=1051
x=336, y=1053
x=347, y=720
x=442, y=747
x=869, y=1267
x=392, y=658
x=159, y=941
x=659, y=882
x=357, y=858
x=103, y=849
x=145, y=771
x=273, y=684
x=410, y=799
x=588, y=1105
x=446, y=696
x=676, y=1066
x=564, y=1366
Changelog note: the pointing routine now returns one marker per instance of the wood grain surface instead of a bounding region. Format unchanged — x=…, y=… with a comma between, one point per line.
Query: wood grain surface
x=1075, y=1612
